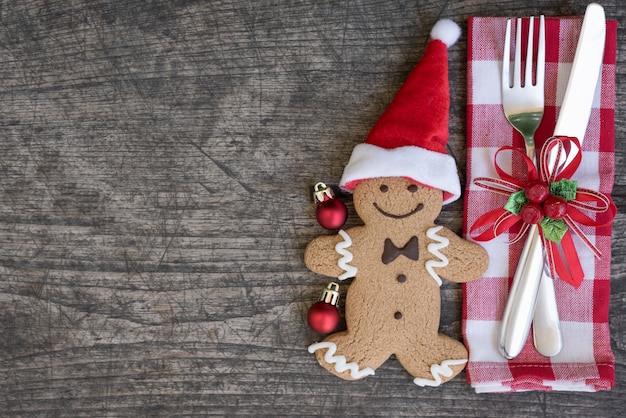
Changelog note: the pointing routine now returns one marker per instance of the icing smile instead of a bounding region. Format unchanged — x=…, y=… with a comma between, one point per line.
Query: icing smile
x=393, y=216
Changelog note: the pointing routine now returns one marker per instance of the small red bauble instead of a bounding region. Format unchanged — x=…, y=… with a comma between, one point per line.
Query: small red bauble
x=555, y=207
x=532, y=213
x=537, y=192
x=323, y=316
x=331, y=213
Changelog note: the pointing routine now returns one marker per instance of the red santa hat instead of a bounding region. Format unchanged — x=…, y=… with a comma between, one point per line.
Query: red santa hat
x=409, y=139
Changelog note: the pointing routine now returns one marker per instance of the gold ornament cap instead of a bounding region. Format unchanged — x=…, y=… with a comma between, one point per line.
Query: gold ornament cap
x=322, y=192
x=331, y=294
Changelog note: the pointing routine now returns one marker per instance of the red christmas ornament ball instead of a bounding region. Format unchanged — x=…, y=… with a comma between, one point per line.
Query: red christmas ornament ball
x=555, y=207
x=532, y=213
x=323, y=317
x=537, y=192
x=331, y=213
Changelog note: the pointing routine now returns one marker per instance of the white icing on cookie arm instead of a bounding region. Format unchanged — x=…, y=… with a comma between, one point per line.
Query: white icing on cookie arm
x=346, y=256
x=341, y=365
x=438, y=370
x=434, y=248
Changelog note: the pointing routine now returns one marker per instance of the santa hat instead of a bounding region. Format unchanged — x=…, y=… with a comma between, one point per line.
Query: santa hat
x=409, y=139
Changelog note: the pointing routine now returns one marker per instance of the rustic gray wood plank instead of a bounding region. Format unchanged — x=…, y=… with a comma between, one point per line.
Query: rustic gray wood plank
x=155, y=163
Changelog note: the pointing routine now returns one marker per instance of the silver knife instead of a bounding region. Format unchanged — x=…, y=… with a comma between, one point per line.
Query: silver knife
x=546, y=329
x=572, y=121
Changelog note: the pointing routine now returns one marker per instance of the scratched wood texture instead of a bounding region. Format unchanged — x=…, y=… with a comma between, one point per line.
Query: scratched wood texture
x=156, y=160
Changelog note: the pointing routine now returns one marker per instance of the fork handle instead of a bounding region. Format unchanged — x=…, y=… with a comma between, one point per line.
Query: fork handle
x=520, y=306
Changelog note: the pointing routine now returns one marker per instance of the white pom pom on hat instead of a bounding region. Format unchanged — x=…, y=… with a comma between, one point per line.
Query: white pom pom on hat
x=446, y=31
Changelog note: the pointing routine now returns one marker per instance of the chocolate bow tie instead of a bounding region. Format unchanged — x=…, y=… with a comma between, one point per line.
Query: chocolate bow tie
x=391, y=252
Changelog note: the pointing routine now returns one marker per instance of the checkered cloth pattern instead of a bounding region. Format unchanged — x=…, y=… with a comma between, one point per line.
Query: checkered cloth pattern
x=586, y=362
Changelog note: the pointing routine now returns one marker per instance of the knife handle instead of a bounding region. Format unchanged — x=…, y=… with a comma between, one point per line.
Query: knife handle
x=520, y=306
x=546, y=327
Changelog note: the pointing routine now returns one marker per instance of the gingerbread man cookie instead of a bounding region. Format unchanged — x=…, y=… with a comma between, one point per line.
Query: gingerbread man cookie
x=401, y=176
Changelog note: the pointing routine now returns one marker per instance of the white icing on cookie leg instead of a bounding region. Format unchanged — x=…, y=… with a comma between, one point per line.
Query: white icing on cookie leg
x=438, y=370
x=340, y=361
x=346, y=256
x=433, y=248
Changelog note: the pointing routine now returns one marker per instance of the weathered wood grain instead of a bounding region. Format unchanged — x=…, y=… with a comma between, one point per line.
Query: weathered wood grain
x=155, y=165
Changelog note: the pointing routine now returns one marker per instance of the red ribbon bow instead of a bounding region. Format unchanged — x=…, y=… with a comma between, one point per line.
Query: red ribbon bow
x=555, y=233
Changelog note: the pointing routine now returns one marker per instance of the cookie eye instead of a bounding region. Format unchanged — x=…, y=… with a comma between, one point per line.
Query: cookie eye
x=412, y=188
x=384, y=188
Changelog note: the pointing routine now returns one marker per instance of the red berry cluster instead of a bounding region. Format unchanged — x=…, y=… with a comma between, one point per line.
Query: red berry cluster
x=542, y=203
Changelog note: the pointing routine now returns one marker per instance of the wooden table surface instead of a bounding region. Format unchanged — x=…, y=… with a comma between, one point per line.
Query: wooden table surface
x=156, y=162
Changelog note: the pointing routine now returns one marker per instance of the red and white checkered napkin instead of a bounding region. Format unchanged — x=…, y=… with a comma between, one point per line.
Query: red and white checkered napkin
x=586, y=362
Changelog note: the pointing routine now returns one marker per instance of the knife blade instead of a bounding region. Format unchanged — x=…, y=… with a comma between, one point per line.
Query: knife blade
x=572, y=121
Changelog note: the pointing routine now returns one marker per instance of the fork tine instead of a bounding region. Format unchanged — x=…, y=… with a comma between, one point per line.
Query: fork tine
x=528, y=77
x=506, y=58
x=541, y=52
x=517, y=64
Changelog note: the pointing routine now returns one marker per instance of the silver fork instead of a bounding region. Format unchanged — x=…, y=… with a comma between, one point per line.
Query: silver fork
x=523, y=107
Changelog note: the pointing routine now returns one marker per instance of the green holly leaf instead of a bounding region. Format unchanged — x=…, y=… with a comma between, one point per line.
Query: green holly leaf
x=553, y=229
x=516, y=202
x=564, y=188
